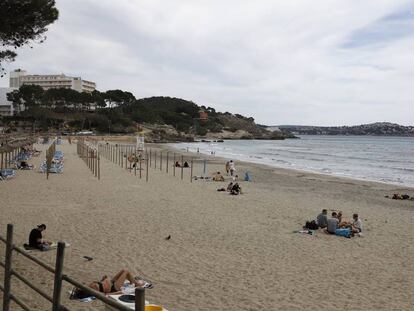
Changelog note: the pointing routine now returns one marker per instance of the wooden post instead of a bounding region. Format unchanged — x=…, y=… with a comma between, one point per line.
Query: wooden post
x=182, y=167
x=146, y=176
x=204, y=168
x=191, y=170
x=155, y=160
x=57, y=288
x=150, y=157
x=99, y=166
x=161, y=161
x=174, y=165
x=1, y=164
x=139, y=299
x=166, y=169
x=140, y=168
x=8, y=268
x=96, y=163
x=126, y=159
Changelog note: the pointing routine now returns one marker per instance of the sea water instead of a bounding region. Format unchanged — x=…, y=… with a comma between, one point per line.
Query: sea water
x=383, y=159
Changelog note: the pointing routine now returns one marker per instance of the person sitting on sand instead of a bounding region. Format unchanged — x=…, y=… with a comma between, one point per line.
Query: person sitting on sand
x=236, y=189
x=322, y=219
x=36, y=238
x=107, y=285
x=333, y=223
x=218, y=177
x=229, y=187
x=186, y=164
x=356, y=224
x=177, y=164
x=397, y=196
x=339, y=216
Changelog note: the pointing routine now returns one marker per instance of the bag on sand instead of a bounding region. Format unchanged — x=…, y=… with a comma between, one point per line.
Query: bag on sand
x=312, y=225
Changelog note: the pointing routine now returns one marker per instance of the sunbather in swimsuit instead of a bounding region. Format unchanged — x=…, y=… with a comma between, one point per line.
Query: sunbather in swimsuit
x=106, y=285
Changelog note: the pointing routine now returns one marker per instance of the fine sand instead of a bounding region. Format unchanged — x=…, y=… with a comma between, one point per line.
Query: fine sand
x=226, y=252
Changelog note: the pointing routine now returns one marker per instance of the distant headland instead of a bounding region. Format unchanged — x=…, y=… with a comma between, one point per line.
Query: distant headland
x=373, y=129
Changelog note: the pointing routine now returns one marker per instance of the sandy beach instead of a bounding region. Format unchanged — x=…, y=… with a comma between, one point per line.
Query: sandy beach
x=226, y=252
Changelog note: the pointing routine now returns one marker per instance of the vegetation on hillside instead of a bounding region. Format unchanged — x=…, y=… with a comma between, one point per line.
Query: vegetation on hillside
x=117, y=111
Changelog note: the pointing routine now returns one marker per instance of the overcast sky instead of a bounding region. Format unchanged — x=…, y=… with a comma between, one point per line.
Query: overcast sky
x=320, y=62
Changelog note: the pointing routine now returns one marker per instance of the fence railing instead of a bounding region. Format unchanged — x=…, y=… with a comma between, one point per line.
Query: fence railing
x=91, y=156
x=59, y=277
x=132, y=159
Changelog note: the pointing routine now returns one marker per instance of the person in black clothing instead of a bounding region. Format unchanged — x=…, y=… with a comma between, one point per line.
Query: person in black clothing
x=36, y=238
x=236, y=189
x=186, y=164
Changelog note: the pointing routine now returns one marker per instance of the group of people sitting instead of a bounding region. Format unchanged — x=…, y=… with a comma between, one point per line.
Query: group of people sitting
x=331, y=225
x=398, y=196
x=185, y=164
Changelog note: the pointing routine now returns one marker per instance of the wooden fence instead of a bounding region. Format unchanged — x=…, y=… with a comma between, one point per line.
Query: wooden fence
x=91, y=156
x=128, y=157
x=59, y=278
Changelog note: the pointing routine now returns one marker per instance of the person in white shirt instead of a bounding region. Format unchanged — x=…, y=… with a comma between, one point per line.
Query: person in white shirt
x=232, y=168
x=356, y=224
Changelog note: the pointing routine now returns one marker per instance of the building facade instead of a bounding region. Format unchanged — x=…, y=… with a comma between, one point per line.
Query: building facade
x=20, y=77
x=6, y=107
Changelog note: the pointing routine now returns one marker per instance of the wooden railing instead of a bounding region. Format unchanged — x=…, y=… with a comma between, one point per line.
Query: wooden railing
x=59, y=277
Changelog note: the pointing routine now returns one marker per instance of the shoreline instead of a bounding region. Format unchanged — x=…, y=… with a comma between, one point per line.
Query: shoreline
x=223, y=159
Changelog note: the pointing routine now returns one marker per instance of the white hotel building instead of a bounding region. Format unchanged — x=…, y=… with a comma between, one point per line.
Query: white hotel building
x=20, y=77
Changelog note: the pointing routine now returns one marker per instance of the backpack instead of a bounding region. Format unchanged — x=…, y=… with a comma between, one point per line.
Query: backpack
x=312, y=225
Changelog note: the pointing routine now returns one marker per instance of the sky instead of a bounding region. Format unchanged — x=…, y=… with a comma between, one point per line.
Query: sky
x=320, y=62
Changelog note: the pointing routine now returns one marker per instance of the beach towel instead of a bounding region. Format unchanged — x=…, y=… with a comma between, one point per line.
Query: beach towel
x=346, y=232
x=54, y=245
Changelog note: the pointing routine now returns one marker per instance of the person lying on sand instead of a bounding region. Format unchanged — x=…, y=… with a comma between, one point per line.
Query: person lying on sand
x=36, y=238
x=107, y=285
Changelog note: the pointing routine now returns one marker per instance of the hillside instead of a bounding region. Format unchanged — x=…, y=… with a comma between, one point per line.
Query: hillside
x=375, y=129
x=119, y=112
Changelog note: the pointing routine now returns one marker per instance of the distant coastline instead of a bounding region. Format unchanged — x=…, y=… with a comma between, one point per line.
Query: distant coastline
x=372, y=129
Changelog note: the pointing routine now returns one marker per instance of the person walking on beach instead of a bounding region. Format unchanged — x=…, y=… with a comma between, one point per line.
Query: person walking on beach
x=232, y=168
x=227, y=167
x=36, y=238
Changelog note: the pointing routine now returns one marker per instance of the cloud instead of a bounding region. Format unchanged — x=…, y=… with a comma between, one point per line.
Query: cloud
x=326, y=62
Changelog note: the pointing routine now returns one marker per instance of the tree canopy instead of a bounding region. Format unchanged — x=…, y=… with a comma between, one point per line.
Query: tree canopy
x=22, y=22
